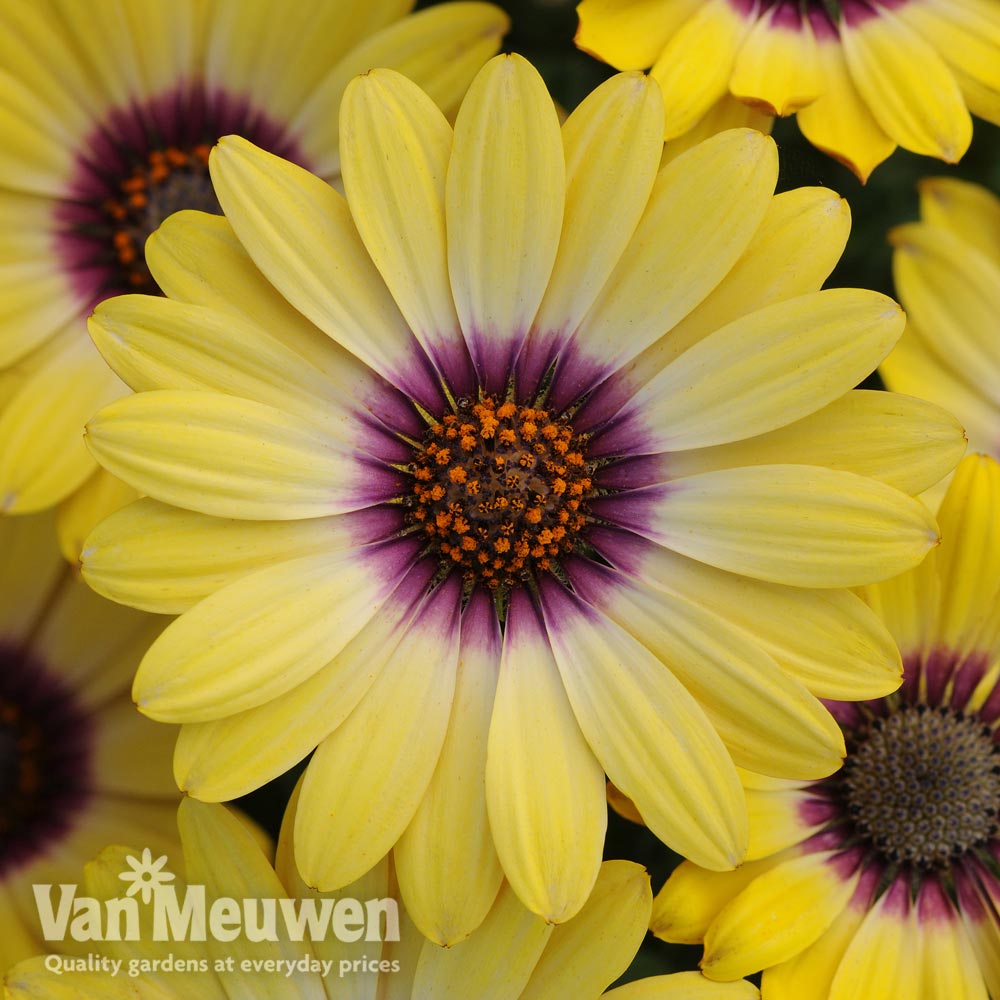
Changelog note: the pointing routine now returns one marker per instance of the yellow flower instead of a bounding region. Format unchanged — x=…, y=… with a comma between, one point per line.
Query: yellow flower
x=864, y=76
x=947, y=271
x=108, y=115
x=515, y=955
x=883, y=881
x=79, y=767
x=526, y=460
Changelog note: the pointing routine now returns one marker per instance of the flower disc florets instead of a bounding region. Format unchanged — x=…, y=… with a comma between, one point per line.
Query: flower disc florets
x=45, y=758
x=167, y=181
x=923, y=786
x=500, y=491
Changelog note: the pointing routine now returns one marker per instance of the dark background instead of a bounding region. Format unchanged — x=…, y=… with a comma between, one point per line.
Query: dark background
x=543, y=32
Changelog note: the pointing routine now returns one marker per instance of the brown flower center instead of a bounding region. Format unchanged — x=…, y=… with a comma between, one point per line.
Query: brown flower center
x=923, y=786
x=500, y=491
x=169, y=180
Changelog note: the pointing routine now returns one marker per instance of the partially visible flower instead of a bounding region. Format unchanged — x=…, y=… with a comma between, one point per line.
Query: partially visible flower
x=947, y=272
x=864, y=76
x=79, y=767
x=525, y=463
x=108, y=114
x=883, y=880
x=514, y=955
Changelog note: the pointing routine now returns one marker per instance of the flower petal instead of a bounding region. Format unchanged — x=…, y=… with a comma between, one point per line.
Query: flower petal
x=684, y=986
x=776, y=916
x=909, y=89
x=586, y=955
x=233, y=457
x=368, y=777
x=901, y=441
x=702, y=213
x=838, y=648
x=504, y=200
x=164, y=559
x=226, y=758
x=794, y=524
x=839, y=122
x=42, y=454
x=649, y=734
x=612, y=142
x=694, y=67
x=447, y=866
x=470, y=968
x=746, y=696
x=776, y=68
x=397, y=202
x=544, y=787
x=263, y=634
x=299, y=233
x=629, y=35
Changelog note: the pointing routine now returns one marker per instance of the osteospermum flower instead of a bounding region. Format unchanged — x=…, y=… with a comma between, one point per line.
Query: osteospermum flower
x=864, y=76
x=108, y=115
x=79, y=767
x=883, y=880
x=519, y=463
x=515, y=955
x=947, y=271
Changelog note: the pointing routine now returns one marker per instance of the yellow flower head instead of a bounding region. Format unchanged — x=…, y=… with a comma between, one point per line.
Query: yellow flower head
x=864, y=76
x=109, y=111
x=883, y=880
x=79, y=767
x=258, y=952
x=525, y=463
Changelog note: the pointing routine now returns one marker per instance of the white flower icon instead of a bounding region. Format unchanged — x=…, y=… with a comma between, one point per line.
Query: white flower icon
x=146, y=875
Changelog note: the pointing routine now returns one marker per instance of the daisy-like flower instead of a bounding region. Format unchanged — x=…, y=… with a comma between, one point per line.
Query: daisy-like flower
x=864, y=76
x=947, y=271
x=515, y=955
x=79, y=767
x=108, y=114
x=518, y=463
x=883, y=880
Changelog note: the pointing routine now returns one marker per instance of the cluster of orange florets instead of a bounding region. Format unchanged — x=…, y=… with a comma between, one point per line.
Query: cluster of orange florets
x=500, y=491
x=132, y=215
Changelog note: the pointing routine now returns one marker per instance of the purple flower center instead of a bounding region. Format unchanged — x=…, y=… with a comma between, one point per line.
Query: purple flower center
x=142, y=163
x=45, y=759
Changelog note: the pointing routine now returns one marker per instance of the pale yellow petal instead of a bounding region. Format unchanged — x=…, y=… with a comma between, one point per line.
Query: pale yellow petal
x=397, y=202
x=262, y=635
x=902, y=441
x=650, y=735
x=793, y=524
x=612, y=143
x=471, y=968
x=504, y=199
x=544, y=786
x=587, y=954
x=745, y=695
x=233, y=457
x=299, y=233
x=42, y=453
x=702, y=213
x=763, y=371
x=684, y=986
x=367, y=778
x=446, y=863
